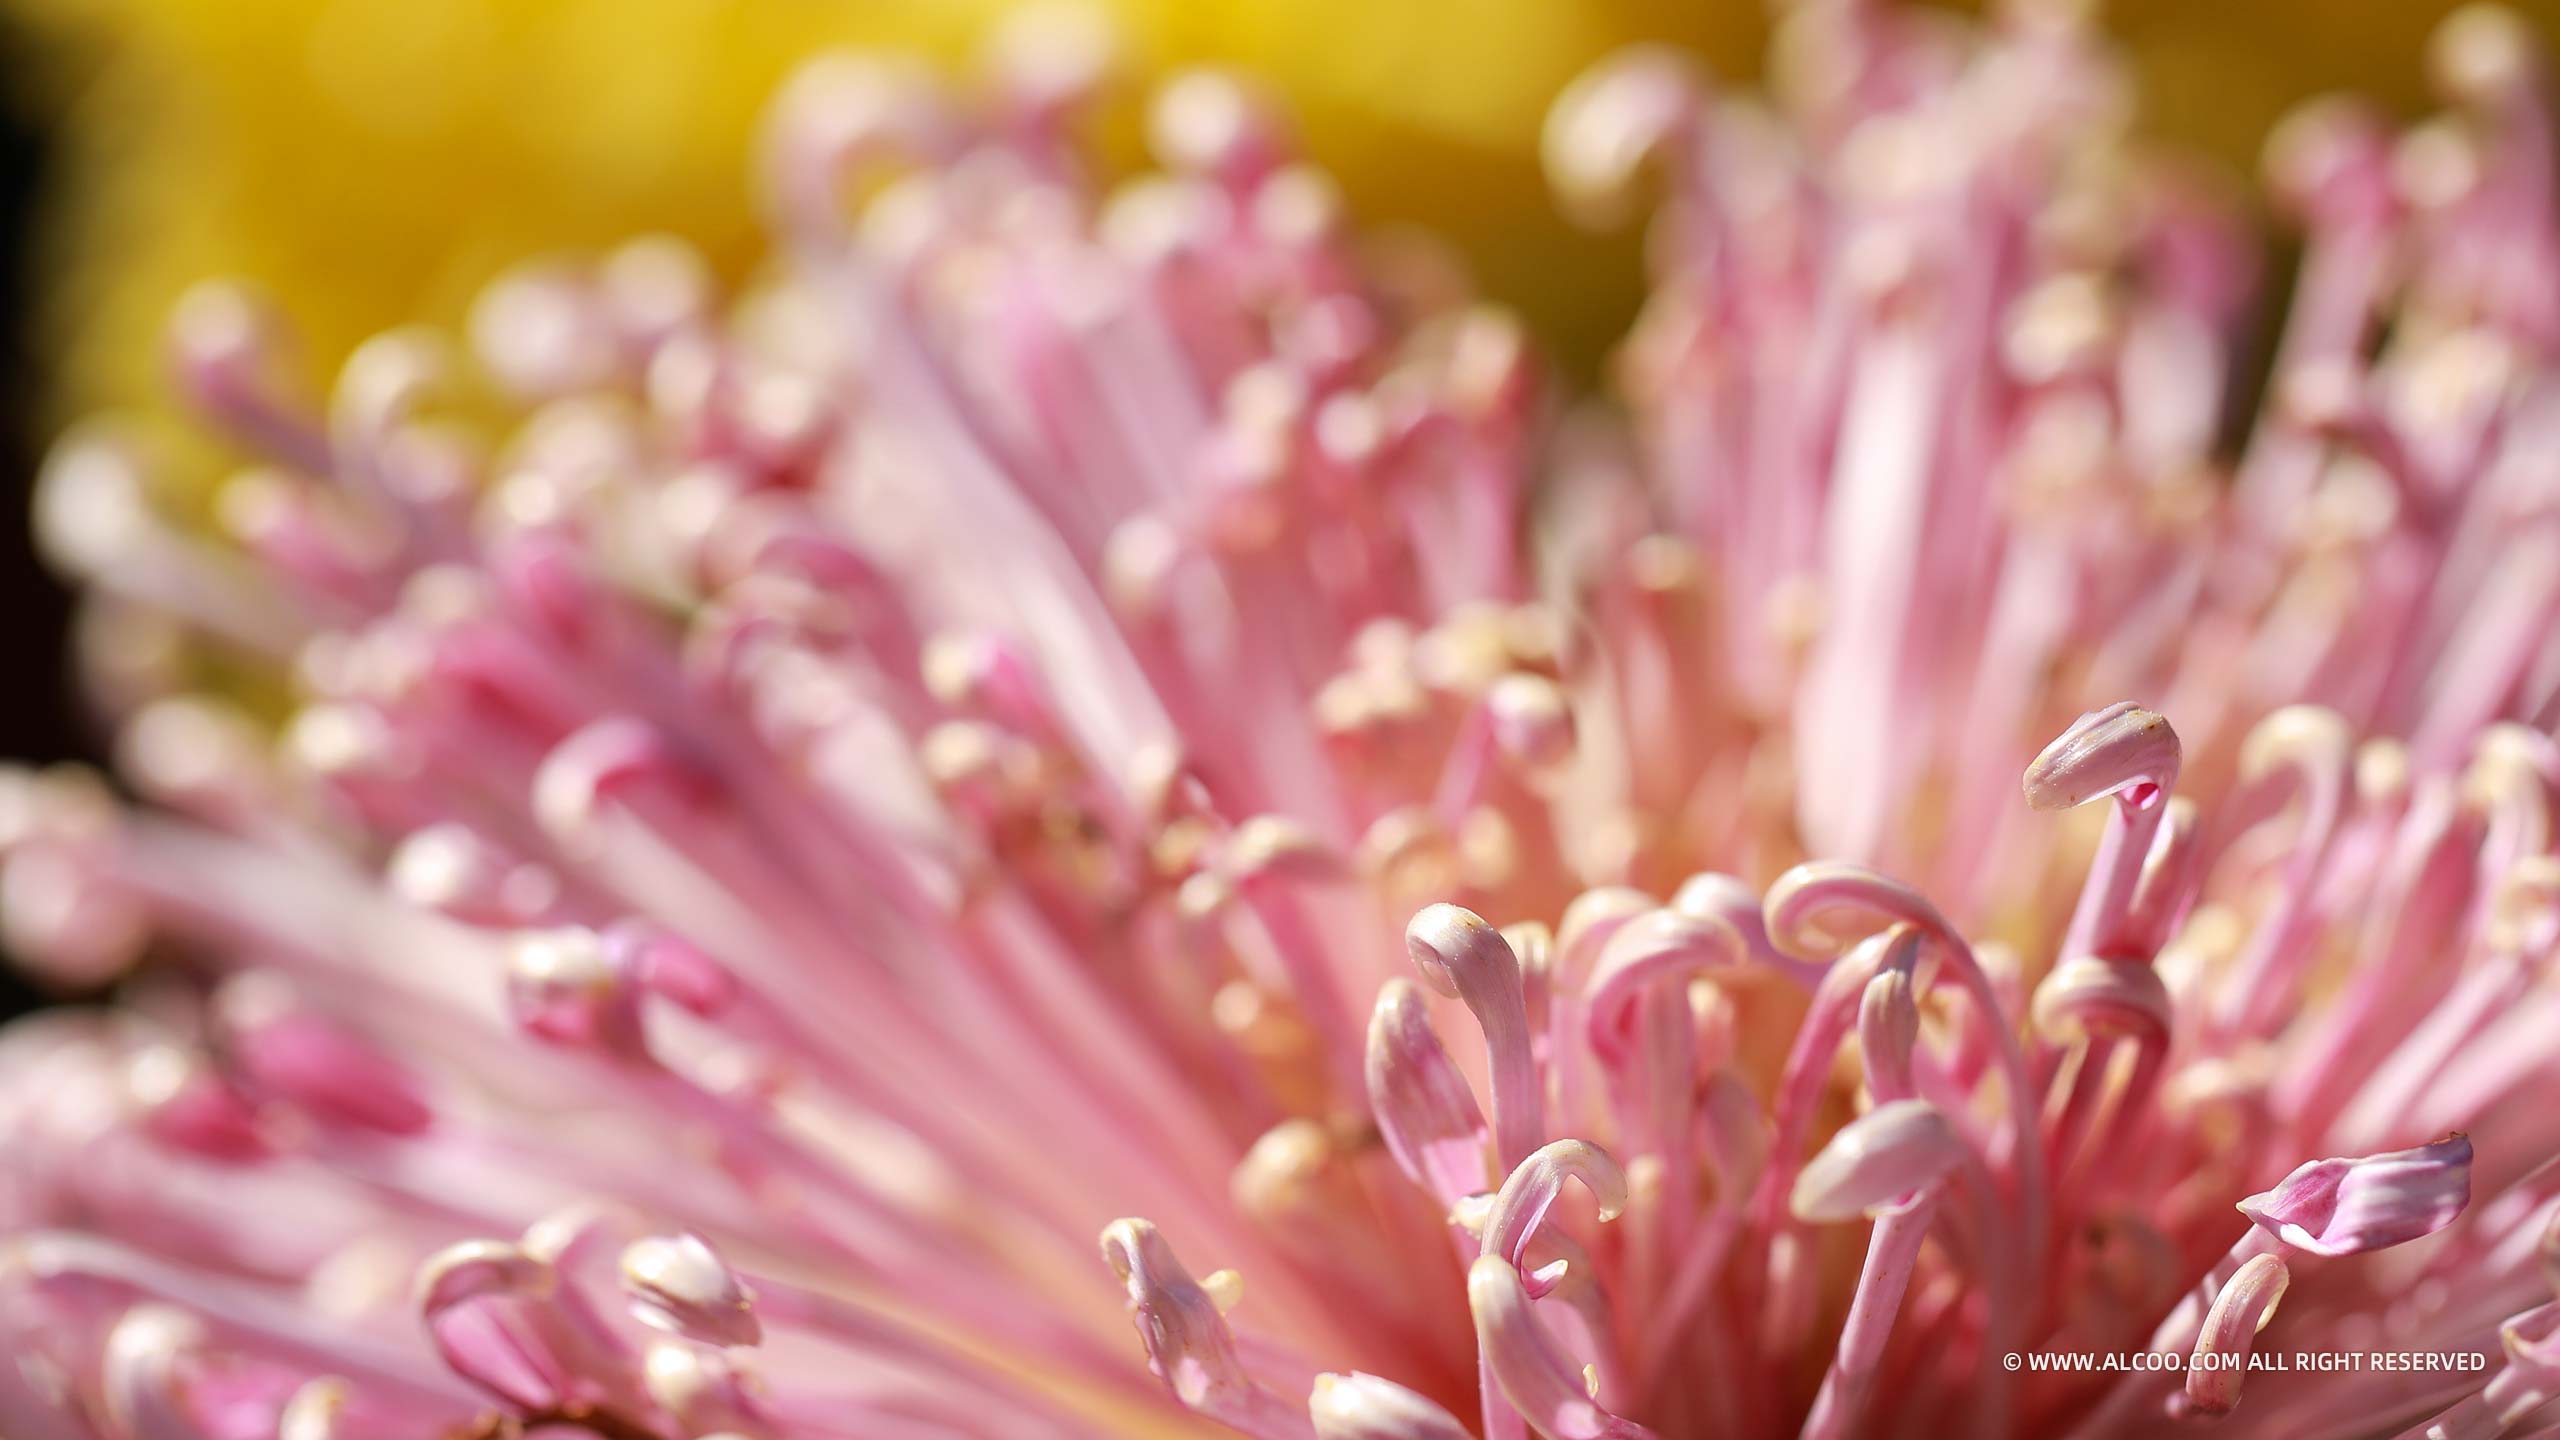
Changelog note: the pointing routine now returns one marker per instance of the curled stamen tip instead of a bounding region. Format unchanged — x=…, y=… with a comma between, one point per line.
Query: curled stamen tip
x=566, y=1237
x=1610, y=123
x=2349, y=1206
x=838, y=109
x=1534, y=943
x=2511, y=763
x=313, y=1411
x=1448, y=941
x=220, y=322
x=346, y=741
x=1137, y=1253
x=539, y=331
x=1534, y=1374
x=1055, y=54
x=1793, y=911
x=2091, y=996
x=563, y=986
x=1492, y=1288
x=2509, y=743
x=1889, y=1026
x=2240, y=1311
x=188, y=749
x=583, y=769
x=2532, y=1343
x=1647, y=942
x=475, y=1270
x=1275, y=845
x=456, y=872
x=2482, y=54
x=702, y=1388
x=1363, y=1407
x=155, y=1329
x=1283, y=1171
x=1531, y=719
x=2330, y=151
x=1206, y=121
x=972, y=670
x=2103, y=752
x=91, y=505
x=189, y=1104
x=1534, y=1184
x=569, y=957
x=677, y=1283
x=1875, y=1161
x=1591, y=917
x=1713, y=893
x=138, y=1367
x=1185, y=1333
x=2313, y=737
x=2382, y=771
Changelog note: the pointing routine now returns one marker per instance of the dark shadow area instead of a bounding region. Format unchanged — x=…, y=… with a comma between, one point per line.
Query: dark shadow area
x=38, y=719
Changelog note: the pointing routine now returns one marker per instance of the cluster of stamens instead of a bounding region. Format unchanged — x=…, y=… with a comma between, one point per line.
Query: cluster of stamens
x=700, y=845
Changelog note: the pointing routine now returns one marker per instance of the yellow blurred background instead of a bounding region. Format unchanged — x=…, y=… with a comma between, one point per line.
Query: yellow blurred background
x=373, y=160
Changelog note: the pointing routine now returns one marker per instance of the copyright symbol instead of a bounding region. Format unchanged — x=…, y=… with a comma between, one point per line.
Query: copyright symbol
x=2009, y=1361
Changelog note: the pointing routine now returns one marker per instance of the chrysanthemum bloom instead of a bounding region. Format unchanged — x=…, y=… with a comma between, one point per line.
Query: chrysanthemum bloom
x=802, y=811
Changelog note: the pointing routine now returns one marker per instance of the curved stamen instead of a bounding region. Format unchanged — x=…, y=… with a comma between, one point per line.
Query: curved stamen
x=1889, y=1020
x=2312, y=745
x=1364, y=1407
x=2220, y=1360
x=1876, y=1162
x=1463, y=957
x=1797, y=907
x=1425, y=1111
x=1188, y=1343
x=1526, y=1363
x=2088, y=997
x=1647, y=952
x=142, y=1374
x=2132, y=754
x=677, y=1283
x=1520, y=1207
x=1643, y=107
x=1722, y=897
x=1808, y=908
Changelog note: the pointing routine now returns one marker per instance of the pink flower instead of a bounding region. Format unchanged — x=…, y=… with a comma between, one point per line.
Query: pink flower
x=765, y=821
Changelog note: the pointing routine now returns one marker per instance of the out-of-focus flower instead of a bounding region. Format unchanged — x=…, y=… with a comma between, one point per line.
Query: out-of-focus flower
x=373, y=161
x=805, y=807
x=377, y=160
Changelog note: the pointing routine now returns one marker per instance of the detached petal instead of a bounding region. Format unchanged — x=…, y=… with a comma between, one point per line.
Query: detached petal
x=2346, y=1207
